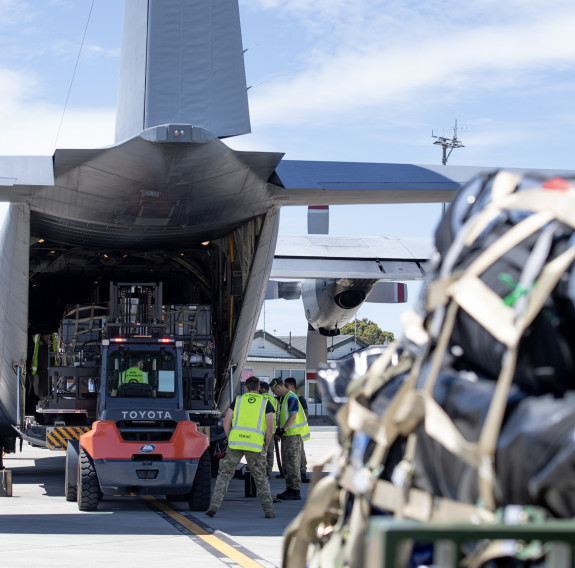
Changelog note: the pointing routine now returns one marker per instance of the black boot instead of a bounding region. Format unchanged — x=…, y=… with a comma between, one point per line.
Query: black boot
x=289, y=495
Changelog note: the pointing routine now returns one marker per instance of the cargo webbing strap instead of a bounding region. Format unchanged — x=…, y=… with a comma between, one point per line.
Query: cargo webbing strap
x=419, y=505
x=437, y=424
x=504, y=185
x=410, y=406
x=546, y=282
x=373, y=381
x=487, y=308
x=441, y=290
x=465, y=289
x=548, y=279
x=77, y=320
x=404, y=413
x=464, y=292
x=561, y=204
x=325, y=502
x=478, y=300
x=546, y=204
x=321, y=505
x=353, y=417
x=424, y=396
x=484, y=552
x=413, y=328
x=76, y=323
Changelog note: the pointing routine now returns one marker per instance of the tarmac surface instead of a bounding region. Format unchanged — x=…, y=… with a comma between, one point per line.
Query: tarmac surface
x=38, y=527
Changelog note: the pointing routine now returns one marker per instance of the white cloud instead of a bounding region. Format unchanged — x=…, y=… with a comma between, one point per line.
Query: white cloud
x=491, y=57
x=35, y=70
x=70, y=48
x=15, y=87
x=30, y=126
x=12, y=11
x=35, y=134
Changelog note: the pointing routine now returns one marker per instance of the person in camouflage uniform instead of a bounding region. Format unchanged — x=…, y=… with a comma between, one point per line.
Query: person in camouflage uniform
x=291, y=460
x=292, y=429
x=264, y=391
x=248, y=424
x=290, y=383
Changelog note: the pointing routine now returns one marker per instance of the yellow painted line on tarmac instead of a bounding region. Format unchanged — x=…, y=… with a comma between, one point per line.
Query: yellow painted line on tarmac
x=229, y=551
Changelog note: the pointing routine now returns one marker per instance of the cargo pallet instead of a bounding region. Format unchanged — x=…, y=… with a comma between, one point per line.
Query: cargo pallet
x=389, y=541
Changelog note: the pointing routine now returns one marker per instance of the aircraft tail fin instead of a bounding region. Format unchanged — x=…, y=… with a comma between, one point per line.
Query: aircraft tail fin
x=182, y=62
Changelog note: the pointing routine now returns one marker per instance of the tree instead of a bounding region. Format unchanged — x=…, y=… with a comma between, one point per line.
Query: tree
x=368, y=331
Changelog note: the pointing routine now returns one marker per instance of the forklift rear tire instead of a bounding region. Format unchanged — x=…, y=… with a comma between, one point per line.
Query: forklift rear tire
x=200, y=495
x=70, y=491
x=88, y=485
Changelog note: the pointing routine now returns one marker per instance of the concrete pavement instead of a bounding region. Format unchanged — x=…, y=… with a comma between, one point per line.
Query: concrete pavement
x=38, y=526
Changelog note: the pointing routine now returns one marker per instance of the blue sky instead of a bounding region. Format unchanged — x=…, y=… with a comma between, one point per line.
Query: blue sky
x=353, y=80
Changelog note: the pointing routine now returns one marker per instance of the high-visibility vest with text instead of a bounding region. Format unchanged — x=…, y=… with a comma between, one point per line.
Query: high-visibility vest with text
x=134, y=375
x=248, y=423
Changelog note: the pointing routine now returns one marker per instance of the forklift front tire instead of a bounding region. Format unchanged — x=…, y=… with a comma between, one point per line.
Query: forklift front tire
x=200, y=495
x=88, y=485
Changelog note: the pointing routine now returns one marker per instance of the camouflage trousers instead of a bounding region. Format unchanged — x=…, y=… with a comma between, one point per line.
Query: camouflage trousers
x=257, y=465
x=303, y=463
x=291, y=460
x=270, y=458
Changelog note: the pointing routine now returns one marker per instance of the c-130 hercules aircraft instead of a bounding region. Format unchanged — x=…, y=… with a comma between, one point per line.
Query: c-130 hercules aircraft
x=170, y=202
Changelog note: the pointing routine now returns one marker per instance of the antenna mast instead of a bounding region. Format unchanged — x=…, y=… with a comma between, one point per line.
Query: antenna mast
x=446, y=143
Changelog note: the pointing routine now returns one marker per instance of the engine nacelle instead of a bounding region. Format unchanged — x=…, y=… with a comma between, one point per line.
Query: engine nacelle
x=330, y=304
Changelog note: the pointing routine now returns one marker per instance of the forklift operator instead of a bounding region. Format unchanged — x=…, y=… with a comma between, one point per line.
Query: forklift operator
x=134, y=374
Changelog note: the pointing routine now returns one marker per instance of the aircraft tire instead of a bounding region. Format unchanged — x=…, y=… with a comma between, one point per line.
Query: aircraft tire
x=88, y=485
x=199, y=496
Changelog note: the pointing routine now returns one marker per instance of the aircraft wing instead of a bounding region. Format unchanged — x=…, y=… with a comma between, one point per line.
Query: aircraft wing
x=27, y=171
x=339, y=273
x=331, y=256
x=345, y=183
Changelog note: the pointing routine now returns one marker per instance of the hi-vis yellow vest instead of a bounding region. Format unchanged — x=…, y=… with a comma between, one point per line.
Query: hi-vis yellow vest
x=300, y=425
x=274, y=403
x=134, y=375
x=36, y=340
x=248, y=423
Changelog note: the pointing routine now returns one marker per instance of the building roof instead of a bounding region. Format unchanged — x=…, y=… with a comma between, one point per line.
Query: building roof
x=293, y=347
